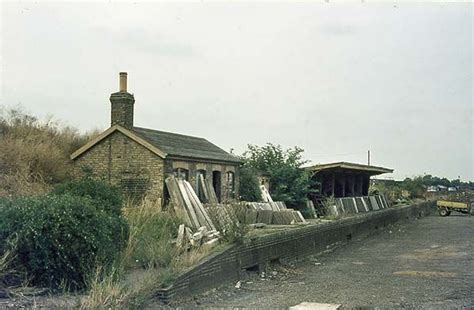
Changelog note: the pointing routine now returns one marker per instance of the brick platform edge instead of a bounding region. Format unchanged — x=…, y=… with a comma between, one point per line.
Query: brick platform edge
x=226, y=265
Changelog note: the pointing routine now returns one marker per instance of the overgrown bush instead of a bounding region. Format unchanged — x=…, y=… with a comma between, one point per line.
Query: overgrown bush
x=60, y=238
x=288, y=182
x=249, y=185
x=102, y=195
x=34, y=154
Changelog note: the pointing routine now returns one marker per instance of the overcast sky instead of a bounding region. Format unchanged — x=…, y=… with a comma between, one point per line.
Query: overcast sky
x=334, y=79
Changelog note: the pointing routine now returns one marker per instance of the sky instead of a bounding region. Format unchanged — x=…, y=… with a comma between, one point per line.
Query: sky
x=336, y=79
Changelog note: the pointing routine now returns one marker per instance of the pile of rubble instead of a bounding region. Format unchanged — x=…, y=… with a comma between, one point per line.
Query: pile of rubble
x=203, y=237
x=186, y=202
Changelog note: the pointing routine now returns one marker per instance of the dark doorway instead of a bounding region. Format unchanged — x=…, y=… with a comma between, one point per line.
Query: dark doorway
x=216, y=183
x=338, y=188
x=200, y=180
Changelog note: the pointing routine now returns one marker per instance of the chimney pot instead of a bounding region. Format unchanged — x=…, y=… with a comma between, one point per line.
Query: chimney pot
x=123, y=82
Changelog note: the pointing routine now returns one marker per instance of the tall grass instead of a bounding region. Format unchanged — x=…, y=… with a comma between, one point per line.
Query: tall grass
x=150, y=261
x=35, y=154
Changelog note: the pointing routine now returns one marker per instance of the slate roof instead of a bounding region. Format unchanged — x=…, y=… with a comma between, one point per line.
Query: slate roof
x=184, y=146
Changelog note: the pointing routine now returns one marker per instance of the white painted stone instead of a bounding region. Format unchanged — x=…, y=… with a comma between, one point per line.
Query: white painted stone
x=315, y=306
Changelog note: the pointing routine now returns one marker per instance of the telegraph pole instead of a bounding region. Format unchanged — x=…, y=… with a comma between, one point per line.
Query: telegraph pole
x=368, y=158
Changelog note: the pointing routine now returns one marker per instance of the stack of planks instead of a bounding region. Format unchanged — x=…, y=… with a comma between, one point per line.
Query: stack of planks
x=208, y=190
x=185, y=199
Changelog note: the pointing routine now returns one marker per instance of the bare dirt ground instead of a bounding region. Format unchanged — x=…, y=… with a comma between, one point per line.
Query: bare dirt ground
x=426, y=264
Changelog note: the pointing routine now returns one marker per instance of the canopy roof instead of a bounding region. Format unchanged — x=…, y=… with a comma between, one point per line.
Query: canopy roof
x=339, y=166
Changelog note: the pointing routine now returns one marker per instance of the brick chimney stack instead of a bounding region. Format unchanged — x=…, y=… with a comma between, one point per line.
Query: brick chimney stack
x=122, y=104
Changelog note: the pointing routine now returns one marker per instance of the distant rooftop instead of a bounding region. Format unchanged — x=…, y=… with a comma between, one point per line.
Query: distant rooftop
x=372, y=170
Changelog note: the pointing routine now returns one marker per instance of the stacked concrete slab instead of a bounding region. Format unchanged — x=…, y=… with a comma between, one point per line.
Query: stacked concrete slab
x=354, y=205
x=274, y=212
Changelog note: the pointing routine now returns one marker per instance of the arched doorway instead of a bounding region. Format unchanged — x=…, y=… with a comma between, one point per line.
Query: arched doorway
x=216, y=183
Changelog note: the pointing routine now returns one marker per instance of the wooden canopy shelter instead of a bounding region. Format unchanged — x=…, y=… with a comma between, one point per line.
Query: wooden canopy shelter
x=342, y=179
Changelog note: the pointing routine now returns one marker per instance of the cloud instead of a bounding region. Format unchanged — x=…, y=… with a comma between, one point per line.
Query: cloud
x=149, y=42
x=339, y=29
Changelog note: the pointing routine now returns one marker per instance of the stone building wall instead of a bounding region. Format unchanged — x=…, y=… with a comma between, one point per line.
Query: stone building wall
x=193, y=166
x=125, y=164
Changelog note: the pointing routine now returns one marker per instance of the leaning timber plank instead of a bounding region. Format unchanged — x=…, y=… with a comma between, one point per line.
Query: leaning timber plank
x=262, y=192
x=202, y=183
x=302, y=220
x=273, y=206
x=288, y=217
x=211, y=192
x=180, y=239
x=197, y=211
x=177, y=199
x=265, y=194
x=200, y=207
x=188, y=204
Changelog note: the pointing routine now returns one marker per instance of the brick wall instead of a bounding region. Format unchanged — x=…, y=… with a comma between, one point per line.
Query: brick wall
x=225, y=266
x=130, y=166
x=126, y=164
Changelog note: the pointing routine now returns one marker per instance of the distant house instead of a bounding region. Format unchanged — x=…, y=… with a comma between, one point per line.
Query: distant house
x=138, y=159
x=342, y=179
x=440, y=188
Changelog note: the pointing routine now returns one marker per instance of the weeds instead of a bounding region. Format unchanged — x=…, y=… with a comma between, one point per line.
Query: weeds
x=327, y=204
x=151, y=232
x=35, y=154
x=230, y=221
x=149, y=261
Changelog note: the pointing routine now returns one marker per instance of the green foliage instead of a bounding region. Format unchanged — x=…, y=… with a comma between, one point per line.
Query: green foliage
x=326, y=204
x=151, y=232
x=414, y=186
x=249, y=185
x=288, y=182
x=60, y=238
x=102, y=195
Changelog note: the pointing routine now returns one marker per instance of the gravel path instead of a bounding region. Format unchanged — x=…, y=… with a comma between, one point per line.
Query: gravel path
x=426, y=264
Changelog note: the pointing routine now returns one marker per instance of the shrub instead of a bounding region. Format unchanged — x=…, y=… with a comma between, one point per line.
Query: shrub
x=151, y=233
x=288, y=182
x=249, y=185
x=35, y=154
x=60, y=238
x=102, y=195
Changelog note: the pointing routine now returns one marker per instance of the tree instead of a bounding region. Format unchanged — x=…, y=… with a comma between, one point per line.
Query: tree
x=288, y=182
x=249, y=185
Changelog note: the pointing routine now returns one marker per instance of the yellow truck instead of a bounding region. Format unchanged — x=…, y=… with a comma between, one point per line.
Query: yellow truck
x=445, y=207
